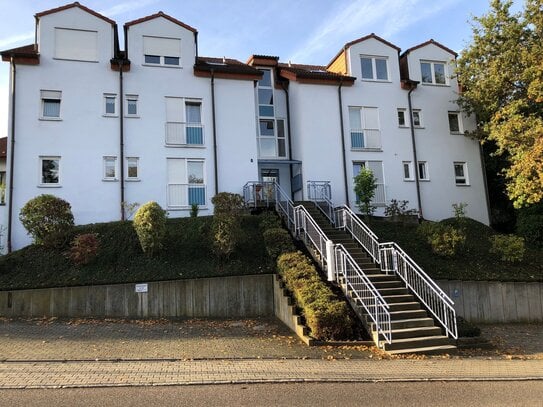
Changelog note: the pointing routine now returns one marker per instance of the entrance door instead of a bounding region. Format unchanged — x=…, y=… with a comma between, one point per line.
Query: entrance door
x=268, y=176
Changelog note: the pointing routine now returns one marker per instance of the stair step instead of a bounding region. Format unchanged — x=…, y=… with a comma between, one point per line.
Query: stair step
x=387, y=284
x=411, y=323
x=407, y=344
x=385, y=292
x=398, y=298
x=429, y=350
x=404, y=333
x=383, y=277
x=408, y=314
x=399, y=306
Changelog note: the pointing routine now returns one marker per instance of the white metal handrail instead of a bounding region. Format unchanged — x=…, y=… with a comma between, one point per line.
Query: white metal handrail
x=308, y=230
x=364, y=291
x=256, y=193
x=284, y=206
x=347, y=220
x=319, y=193
x=428, y=292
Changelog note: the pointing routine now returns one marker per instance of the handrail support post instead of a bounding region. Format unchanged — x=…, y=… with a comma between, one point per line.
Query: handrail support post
x=331, y=264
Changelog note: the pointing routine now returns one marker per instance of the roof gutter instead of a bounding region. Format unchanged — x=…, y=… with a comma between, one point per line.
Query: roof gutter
x=11, y=154
x=346, y=183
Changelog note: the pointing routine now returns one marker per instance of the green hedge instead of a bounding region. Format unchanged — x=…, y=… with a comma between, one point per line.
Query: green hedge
x=325, y=314
x=277, y=241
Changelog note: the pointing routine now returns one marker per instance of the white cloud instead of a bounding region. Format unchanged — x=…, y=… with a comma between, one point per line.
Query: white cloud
x=14, y=39
x=385, y=18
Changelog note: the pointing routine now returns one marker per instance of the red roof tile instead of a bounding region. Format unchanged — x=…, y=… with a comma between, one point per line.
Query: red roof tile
x=164, y=15
x=26, y=53
x=75, y=4
x=312, y=73
x=227, y=66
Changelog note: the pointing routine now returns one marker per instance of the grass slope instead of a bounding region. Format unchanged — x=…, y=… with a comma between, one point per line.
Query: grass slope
x=473, y=262
x=187, y=254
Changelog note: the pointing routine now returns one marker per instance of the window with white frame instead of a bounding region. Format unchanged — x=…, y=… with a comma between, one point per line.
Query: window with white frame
x=50, y=171
x=408, y=174
x=364, y=127
x=374, y=68
x=461, y=173
x=110, y=104
x=433, y=73
x=376, y=167
x=402, y=115
x=417, y=118
x=110, y=168
x=422, y=167
x=132, y=106
x=265, y=94
x=132, y=168
x=272, y=138
x=455, y=125
x=186, y=182
x=50, y=104
x=162, y=51
x=184, y=122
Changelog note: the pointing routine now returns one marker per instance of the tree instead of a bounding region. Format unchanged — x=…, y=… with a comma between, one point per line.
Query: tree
x=501, y=73
x=365, y=184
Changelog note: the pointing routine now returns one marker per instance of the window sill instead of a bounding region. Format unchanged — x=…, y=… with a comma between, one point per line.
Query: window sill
x=185, y=145
x=376, y=80
x=50, y=119
x=403, y=127
x=110, y=115
x=185, y=208
x=418, y=127
x=457, y=133
x=163, y=66
x=110, y=179
x=75, y=60
x=375, y=150
x=409, y=180
x=424, y=180
x=439, y=85
x=132, y=116
x=463, y=185
x=132, y=179
x=49, y=186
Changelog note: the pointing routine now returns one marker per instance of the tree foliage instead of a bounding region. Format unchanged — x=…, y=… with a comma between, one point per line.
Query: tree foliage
x=365, y=185
x=501, y=73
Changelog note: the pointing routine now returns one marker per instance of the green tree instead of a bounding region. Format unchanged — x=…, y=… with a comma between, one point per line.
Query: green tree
x=365, y=184
x=501, y=72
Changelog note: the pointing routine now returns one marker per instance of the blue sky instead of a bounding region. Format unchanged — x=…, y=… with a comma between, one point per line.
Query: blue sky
x=303, y=31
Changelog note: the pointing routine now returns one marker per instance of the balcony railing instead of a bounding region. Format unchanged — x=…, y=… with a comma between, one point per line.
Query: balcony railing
x=365, y=139
x=185, y=195
x=184, y=134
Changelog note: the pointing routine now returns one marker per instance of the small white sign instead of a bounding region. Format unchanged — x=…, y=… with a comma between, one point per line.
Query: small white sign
x=142, y=288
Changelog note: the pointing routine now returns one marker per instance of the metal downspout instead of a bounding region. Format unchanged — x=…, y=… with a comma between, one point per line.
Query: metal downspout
x=289, y=138
x=414, y=145
x=343, y=145
x=214, y=132
x=121, y=135
x=11, y=154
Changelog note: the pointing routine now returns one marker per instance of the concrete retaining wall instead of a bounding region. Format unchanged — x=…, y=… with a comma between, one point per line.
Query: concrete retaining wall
x=221, y=297
x=489, y=301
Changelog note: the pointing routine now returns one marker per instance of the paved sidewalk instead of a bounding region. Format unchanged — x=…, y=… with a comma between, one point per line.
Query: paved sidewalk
x=87, y=353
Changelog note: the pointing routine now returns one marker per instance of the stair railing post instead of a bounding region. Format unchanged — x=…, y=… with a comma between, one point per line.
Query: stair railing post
x=330, y=263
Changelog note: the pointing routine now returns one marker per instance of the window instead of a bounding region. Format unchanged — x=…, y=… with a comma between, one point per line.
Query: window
x=401, y=118
x=3, y=190
x=423, y=171
x=194, y=129
x=407, y=171
x=433, y=73
x=417, y=118
x=110, y=168
x=454, y=122
x=132, y=170
x=162, y=51
x=50, y=104
x=184, y=122
x=78, y=45
x=364, y=127
x=110, y=104
x=186, y=182
x=265, y=94
x=376, y=167
x=132, y=105
x=374, y=68
x=461, y=173
x=49, y=171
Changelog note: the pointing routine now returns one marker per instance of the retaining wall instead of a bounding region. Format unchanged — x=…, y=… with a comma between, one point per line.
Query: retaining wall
x=221, y=297
x=489, y=301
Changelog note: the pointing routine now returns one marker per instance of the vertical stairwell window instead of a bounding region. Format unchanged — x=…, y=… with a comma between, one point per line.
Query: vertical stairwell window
x=265, y=94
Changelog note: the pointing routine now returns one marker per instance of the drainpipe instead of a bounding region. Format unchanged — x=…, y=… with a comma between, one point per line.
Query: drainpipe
x=485, y=181
x=414, y=145
x=214, y=132
x=121, y=135
x=343, y=144
x=11, y=154
x=283, y=85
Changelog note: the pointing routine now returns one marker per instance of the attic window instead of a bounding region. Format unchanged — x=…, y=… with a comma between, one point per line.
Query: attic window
x=162, y=51
x=76, y=45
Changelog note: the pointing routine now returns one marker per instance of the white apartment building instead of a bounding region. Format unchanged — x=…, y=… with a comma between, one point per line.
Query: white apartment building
x=98, y=125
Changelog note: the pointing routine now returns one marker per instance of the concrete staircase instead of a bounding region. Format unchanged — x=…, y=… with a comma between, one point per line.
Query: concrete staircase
x=413, y=329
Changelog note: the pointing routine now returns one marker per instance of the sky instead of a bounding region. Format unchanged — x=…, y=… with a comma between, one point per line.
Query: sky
x=302, y=31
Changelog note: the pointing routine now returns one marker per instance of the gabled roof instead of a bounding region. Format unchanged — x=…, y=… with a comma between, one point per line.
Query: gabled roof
x=430, y=41
x=72, y=5
x=225, y=68
x=26, y=54
x=163, y=15
x=361, y=39
x=313, y=74
x=263, y=60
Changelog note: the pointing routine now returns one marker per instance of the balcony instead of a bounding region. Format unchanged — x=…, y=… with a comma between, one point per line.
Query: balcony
x=185, y=195
x=365, y=139
x=184, y=134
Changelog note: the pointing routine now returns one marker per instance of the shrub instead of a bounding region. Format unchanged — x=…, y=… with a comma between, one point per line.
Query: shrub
x=194, y=209
x=226, y=203
x=444, y=239
x=226, y=235
x=399, y=209
x=325, y=314
x=269, y=220
x=84, y=248
x=530, y=224
x=48, y=219
x=509, y=247
x=277, y=241
x=150, y=226
x=459, y=211
x=365, y=185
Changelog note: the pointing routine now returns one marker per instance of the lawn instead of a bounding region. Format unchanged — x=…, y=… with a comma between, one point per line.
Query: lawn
x=472, y=262
x=187, y=253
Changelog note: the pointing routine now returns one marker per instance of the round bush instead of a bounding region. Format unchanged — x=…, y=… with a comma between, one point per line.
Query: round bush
x=150, y=226
x=278, y=241
x=48, y=219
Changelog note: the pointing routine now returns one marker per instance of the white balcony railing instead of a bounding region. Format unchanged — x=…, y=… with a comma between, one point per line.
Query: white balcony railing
x=365, y=139
x=184, y=195
x=184, y=134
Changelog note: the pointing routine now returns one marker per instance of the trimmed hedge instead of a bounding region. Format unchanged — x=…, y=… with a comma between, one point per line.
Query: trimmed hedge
x=326, y=315
x=277, y=241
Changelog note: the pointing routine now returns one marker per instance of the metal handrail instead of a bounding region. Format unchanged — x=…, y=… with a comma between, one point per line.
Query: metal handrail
x=319, y=193
x=285, y=206
x=347, y=220
x=308, y=229
x=428, y=292
x=256, y=192
x=364, y=291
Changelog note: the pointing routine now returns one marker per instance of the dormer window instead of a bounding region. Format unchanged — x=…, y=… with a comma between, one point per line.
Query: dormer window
x=433, y=73
x=374, y=68
x=161, y=51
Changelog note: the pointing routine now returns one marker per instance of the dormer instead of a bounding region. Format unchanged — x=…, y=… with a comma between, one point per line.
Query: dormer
x=429, y=63
x=75, y=33
x=369, y=59
x=160, y=40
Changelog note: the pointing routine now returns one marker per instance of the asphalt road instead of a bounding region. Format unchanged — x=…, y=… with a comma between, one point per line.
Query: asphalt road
x=465, y=394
